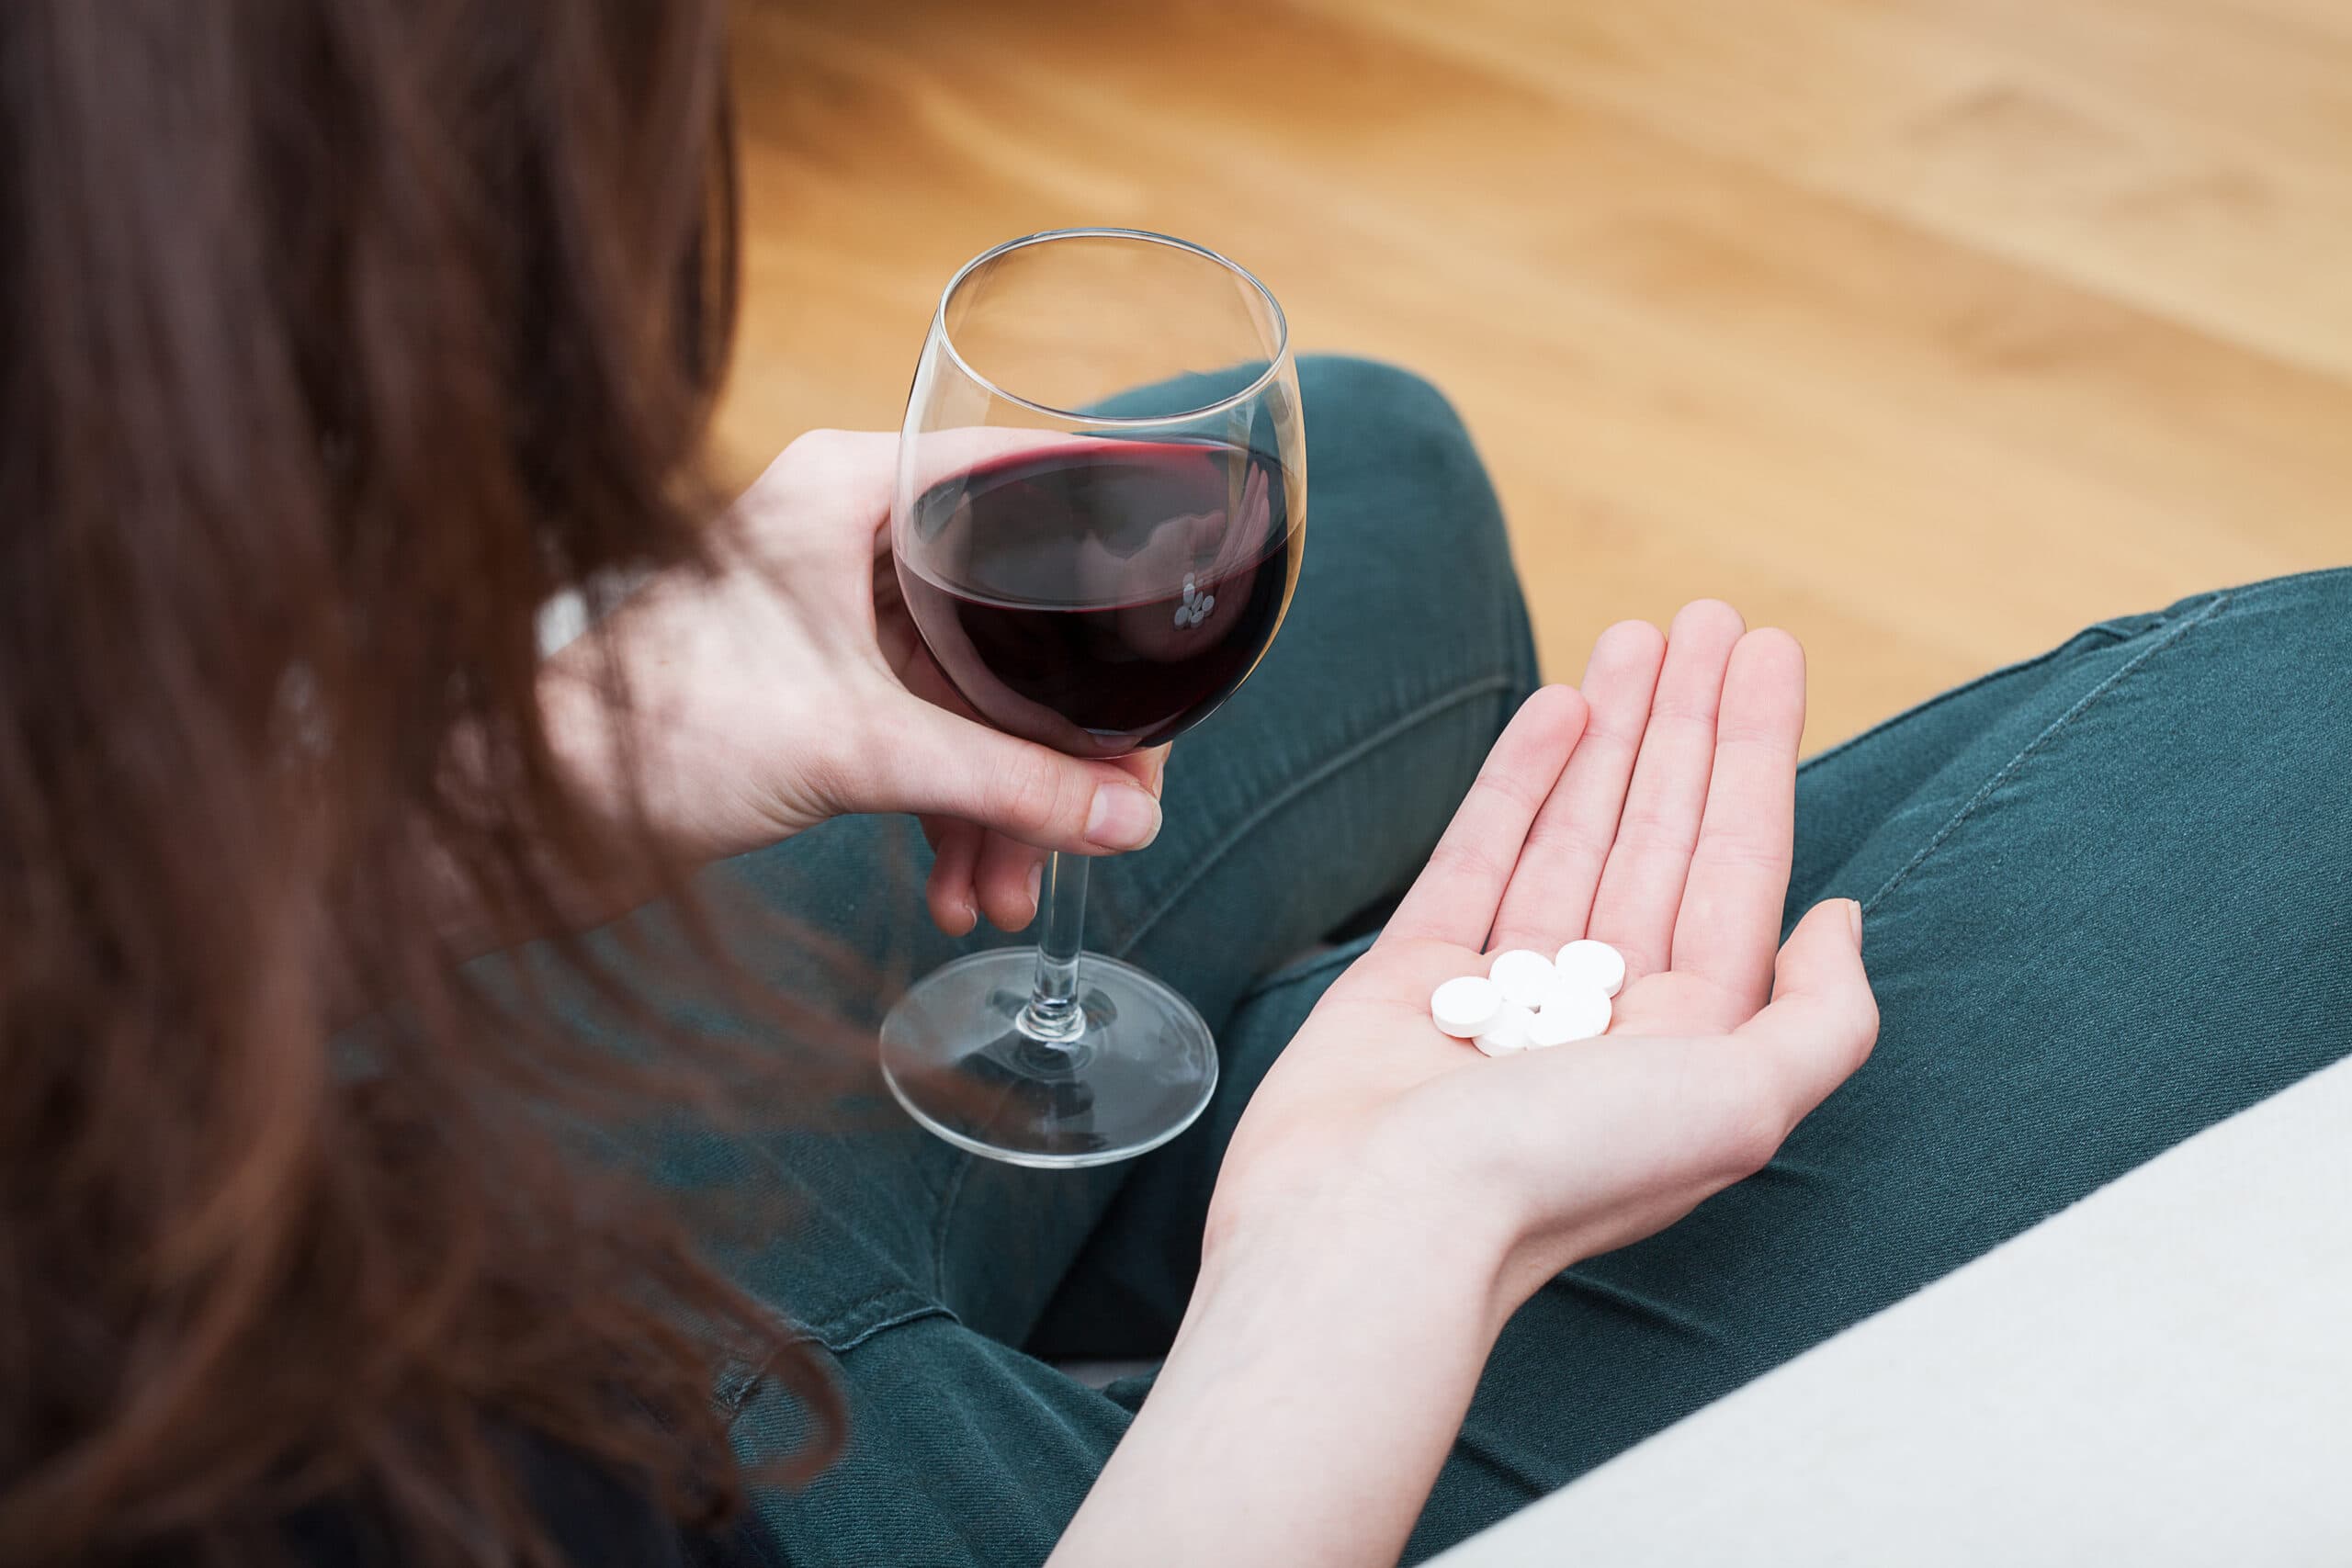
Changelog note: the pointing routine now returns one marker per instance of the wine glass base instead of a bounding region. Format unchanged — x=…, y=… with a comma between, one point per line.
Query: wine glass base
x=1140, y=1071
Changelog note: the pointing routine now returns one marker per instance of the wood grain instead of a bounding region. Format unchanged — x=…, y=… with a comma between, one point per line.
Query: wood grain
x=1932, y=330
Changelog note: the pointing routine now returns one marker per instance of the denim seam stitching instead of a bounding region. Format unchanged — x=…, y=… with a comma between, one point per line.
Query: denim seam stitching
x=1896, y=721
x=897, y=1320
x=948, y=1202
x=843, y=1331
x=1399, y=725
x=2009, y=769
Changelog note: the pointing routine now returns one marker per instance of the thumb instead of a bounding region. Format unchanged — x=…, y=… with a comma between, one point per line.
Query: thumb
x=1823, y=1019
x=931, y=761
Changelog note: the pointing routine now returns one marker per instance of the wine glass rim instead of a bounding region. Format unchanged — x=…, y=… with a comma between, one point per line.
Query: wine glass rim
x=1273, y=364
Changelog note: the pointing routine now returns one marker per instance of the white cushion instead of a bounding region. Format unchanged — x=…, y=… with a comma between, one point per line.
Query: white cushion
x=2160, y=1375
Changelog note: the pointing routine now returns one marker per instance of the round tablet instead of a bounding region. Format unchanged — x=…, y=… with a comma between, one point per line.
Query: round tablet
x=1522, y=976
x=1507, y=1035
x=1595, y=963
x=1465, y=1006
x=1569, y=991
x=1570, y=1013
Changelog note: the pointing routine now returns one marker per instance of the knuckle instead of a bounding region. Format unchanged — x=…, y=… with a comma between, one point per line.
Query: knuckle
x=816, y=464
x=1570, y=840
x=1505, y=786
x=1694, y=714
x=1743, y=852
x=1743, y=732
x=1617, y=736
x=1648, y=830
x=1036, y=793
x=1459, y=859
x=814, y=449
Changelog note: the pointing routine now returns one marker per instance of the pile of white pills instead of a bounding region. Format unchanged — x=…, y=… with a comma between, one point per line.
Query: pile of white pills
x=1525, y=1001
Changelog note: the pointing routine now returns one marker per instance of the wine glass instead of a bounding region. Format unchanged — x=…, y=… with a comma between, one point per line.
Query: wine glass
x=1099, y=519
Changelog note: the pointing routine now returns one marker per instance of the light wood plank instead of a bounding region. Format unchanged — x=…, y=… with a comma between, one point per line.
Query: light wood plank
x=1931, y=329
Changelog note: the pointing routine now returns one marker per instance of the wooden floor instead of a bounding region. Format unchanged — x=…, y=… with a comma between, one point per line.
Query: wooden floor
x=1929, y=328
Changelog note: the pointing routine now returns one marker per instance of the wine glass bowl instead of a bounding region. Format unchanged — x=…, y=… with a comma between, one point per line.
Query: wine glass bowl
x=1098, y=525
x=1104, y=594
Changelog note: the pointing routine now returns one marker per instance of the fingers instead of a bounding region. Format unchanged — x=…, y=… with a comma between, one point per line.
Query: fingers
x=955, y=908
x=1740, y=872
x=1641, y=887
x=913, y=757
x=1823, y=1019
x=1003, y=878
x=945, y=454
x=1008, y=880
x=1456, y=895
x=1551, y=892
x=1149, y=767
x=850, y=473
x=1010, y=874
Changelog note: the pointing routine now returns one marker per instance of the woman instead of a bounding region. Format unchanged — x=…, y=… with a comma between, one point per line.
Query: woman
x=341, y=339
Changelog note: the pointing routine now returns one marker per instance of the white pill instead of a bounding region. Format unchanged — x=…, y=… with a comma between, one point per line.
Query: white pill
x=1464, y=1007
x=1569, y=991
x=1507, y=1035
x=1570, y=1013
x=1522, y=976
x=1595, y=964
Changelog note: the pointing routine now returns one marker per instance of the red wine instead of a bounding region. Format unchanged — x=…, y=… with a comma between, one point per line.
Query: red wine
x=1102, y=595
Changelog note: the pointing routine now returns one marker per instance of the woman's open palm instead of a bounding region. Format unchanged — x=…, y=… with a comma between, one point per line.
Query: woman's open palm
x=1654, y=811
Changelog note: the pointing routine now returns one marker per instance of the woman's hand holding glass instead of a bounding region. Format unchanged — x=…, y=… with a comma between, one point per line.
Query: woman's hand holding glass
x=1087, y=530
x=791, y=687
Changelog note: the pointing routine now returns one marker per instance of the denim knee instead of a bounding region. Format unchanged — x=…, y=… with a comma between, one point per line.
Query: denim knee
x=1402, y=423
x=1394, y=482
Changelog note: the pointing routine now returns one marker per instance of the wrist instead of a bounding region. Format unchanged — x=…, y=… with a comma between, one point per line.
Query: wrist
x=1324, y=1365
x=1457, y=1261
x=667, y=763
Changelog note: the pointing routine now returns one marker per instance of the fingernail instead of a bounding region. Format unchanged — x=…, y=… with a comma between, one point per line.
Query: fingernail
x=1854, y=921
x=1122, y=817
x=1036, y=886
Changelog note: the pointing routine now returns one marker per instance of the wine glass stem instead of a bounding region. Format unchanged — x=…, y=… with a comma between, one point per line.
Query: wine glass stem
x=1053, y=1016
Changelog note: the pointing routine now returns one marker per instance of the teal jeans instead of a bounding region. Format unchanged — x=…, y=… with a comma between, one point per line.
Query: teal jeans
x=2107, y=906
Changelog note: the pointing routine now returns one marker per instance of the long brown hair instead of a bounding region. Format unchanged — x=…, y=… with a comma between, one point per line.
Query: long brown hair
x=335, y=340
